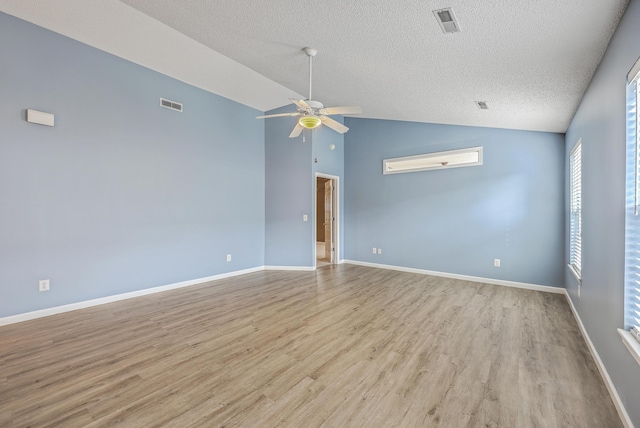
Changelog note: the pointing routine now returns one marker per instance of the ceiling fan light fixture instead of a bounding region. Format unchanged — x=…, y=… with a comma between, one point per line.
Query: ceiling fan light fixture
x=312, y=113
x=310, y=121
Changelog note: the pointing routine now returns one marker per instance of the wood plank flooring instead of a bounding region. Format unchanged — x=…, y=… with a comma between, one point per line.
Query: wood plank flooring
x=345, y=346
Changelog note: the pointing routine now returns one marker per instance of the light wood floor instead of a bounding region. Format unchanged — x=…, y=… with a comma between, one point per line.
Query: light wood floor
x=346, y=346
x=320, y=259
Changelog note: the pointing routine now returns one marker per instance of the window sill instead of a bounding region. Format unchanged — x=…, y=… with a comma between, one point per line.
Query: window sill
x=631, y=343
x=575, y=273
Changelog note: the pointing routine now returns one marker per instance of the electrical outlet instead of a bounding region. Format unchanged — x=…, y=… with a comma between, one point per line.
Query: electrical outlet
x=375, y=251
x=228, y=257
x=43, y=285
x=496, y=262
x=305, y=217
x=379, y=250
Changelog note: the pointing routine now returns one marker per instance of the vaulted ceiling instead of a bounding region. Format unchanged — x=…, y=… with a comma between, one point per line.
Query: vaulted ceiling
x=531, y=61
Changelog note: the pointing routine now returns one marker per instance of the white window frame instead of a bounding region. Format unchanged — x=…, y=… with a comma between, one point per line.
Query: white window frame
x=631, y=332
x=437, y=160
x=575, y=210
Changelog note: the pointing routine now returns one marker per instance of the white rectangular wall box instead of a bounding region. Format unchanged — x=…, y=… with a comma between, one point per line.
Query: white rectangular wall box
x=40, y=117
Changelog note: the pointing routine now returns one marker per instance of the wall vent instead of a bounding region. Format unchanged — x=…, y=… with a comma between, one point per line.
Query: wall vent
x=482, y=105
x=171, y=104
x=447, y=20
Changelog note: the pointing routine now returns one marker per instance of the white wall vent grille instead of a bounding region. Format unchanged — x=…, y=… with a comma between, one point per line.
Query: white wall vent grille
x=171, y=104
x=482, y=105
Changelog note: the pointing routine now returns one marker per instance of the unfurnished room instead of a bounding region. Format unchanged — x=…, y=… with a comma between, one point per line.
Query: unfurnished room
x=417, y=213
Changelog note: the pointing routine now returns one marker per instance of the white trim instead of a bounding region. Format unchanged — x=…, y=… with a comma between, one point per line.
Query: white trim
x=575, y=147
x=631, y=343
x=526, y=286
x=336, y=196
x=622, y=412
x=12, y=319
x=575, y=273
x=109, y=299
x=297, y=268
x=386, y=163
x=634, y=73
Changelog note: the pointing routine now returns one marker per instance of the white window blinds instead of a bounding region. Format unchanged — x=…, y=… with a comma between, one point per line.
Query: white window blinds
x=575, y=250
x=632, y=226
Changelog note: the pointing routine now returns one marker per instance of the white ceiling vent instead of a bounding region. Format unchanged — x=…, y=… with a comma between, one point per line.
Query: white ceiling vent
x=171, y=104
x=482, y=105
x=447, y=20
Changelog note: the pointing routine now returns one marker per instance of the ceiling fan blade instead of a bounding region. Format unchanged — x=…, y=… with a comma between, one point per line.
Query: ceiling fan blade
x=278, y=115
x=296, y=131
x=335, y=125
x=300, y=103
x=341, y=110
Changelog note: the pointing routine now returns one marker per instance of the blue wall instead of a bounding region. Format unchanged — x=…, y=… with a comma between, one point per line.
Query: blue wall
x=331, y=162
x=290, y=187
x=121, y=194
x=457, y=220
x=600, y=122
x=289, y=193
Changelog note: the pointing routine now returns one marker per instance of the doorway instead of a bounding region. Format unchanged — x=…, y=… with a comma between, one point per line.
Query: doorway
x=326, y=215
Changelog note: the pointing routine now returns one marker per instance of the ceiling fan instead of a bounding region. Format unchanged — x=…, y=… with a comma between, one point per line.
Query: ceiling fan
x=313, y=113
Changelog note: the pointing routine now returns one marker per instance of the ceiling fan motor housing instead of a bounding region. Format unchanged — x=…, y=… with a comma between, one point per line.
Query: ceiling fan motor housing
x=314, y=104
x=313, y=113
x=310, y=51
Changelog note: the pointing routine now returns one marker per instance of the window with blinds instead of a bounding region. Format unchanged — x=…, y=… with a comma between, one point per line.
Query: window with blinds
x=575, y=240
x=632, y=217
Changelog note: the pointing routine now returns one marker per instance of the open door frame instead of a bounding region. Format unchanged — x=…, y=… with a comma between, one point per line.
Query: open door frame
x=336, y=212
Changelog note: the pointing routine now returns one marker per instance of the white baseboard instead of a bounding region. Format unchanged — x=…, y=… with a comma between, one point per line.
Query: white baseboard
x=108, y=299
x=299, y=268
x=622, y=412
x=631, y=343
x=12, y=319
x=524, y=285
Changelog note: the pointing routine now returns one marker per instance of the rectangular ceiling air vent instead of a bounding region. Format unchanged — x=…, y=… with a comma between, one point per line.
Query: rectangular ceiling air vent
x=447, y=20
x=171, y=104
x=482, y=105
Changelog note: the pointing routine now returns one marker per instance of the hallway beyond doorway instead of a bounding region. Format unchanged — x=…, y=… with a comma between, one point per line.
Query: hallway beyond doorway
x=320, y=259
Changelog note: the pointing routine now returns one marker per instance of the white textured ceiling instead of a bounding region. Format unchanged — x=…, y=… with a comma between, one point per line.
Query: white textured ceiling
x=529, y=60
